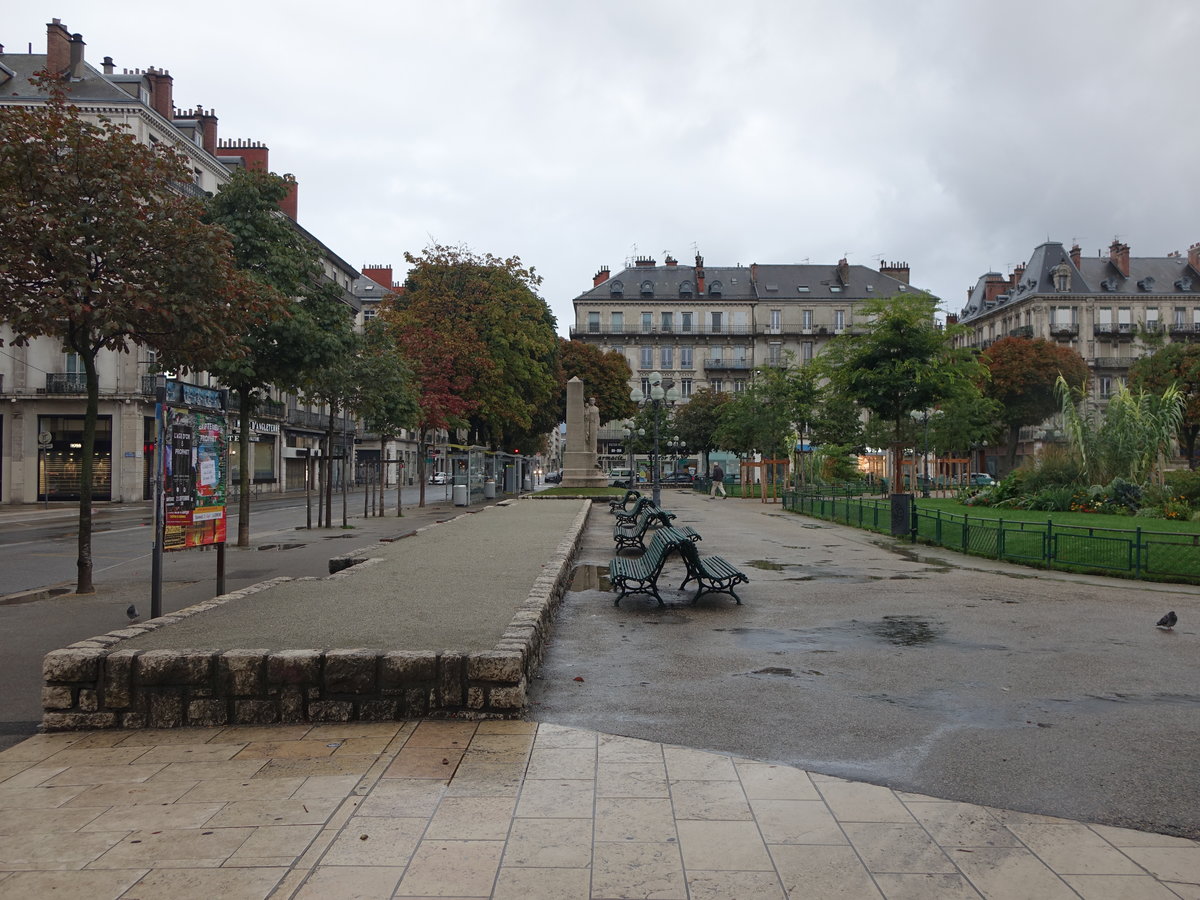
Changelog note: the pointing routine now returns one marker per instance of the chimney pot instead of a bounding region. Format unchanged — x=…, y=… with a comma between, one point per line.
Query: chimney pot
x=108, y=65
x=600, y=277
x=77, y=45
x=58, y=48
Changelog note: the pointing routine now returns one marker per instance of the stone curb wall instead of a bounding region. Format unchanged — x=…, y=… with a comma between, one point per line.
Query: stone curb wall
x=96, y=684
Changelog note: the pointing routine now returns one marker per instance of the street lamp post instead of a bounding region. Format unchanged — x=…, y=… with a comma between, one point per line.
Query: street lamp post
x=658, y=396
x=630, y=433
x=677, y=448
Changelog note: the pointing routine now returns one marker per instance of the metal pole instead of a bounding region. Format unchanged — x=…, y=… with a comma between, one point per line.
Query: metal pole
x=220, y=568
x=925, y=456
x=156, y=555
x=654, y=463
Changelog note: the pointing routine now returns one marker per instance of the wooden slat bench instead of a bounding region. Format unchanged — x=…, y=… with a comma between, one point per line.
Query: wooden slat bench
x=713, y=574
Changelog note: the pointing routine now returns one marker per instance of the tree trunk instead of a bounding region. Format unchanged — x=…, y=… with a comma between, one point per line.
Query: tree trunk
x=1189, y=444
x=83, y=564
x=422, y=477
x=244, y=403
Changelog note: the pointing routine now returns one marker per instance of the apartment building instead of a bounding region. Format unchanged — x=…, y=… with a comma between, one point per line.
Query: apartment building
x=42, y=388
x=1111, y=308
x=711, y=327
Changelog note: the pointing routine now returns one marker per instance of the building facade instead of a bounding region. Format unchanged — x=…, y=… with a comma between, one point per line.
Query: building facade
x=43, y=388
x=1112, y=309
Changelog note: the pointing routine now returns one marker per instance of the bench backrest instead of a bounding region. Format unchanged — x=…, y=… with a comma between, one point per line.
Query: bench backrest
x=660, y=547
x=691, y=556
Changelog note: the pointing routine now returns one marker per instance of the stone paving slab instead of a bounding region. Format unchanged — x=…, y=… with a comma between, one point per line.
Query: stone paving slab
x=509, y=809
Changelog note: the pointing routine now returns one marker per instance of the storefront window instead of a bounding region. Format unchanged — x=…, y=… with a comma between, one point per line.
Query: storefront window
x=62, y=459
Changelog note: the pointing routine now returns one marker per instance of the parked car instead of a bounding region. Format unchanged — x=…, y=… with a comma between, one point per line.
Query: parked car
x=554, y=477
x=676, y=478
x=439, y=478
x=980, y=479
x=618, y=477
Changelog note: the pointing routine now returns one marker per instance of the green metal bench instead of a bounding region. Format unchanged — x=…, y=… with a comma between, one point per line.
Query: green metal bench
x=633, y=534
x=713, y=574
x=635, y=511
x=620, y=506
x=640, y=575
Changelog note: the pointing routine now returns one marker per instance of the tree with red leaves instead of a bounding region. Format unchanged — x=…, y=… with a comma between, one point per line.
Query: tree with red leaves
x=1023, y=376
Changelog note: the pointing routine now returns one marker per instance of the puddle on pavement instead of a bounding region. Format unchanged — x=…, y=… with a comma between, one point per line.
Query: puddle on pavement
x=765, y=564
x=279, y=546
x=905, y=631
x=898, y=631
x=590, y=578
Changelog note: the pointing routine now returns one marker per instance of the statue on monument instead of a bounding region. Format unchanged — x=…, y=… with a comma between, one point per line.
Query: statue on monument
x=592, y=424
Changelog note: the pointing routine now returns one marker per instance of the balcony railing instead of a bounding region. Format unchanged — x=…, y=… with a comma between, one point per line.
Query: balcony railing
x=1064, y=331
x=1123, y=331
x=317, y=421
x=736, y=364
x=1112, y=362
x=66, y=383
x=1023, y=331
x=658, y=329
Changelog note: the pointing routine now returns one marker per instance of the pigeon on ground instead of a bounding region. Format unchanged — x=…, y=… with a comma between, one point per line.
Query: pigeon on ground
x=1168, y=621
x=131, y=612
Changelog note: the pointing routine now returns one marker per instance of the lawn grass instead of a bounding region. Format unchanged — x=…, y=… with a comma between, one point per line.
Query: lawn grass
x=582, y=492
x=1072, y=519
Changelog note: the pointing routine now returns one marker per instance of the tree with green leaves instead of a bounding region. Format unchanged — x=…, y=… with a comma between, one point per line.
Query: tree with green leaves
x=104, y=253
x=605, y=375
x=384, y=392
x=837, y=421
x=698, y=420
x=1178, y=365
x=1022, y=377
x=901, y=363
x=310, y=334
x=767, y=417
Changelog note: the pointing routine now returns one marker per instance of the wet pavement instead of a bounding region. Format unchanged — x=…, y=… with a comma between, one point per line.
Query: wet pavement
x=915, y=668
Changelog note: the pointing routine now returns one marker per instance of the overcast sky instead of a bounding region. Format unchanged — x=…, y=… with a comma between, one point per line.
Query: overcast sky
x=953, y=135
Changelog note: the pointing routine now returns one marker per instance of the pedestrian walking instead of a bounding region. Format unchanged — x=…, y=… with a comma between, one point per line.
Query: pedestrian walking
x=717, y=489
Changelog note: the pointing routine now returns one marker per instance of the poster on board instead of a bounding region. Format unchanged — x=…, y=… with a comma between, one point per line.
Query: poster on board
x=196, y=463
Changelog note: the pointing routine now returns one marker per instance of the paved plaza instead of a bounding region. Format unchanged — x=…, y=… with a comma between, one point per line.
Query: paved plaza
x=696, y=774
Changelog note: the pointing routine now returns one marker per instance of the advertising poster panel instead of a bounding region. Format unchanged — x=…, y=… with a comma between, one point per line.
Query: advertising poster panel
x=196, y=463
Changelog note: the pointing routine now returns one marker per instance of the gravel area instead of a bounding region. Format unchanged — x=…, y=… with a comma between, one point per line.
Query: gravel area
x=455, y=585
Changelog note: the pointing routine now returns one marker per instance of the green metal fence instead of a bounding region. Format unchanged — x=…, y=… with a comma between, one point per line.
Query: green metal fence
x=1137, y=553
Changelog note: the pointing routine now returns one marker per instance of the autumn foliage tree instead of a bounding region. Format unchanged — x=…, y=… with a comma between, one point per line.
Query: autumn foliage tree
x=1178, y=365
x=1023, y=374
x=102, y=252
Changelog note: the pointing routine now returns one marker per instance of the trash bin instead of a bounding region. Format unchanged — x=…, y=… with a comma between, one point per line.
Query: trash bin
x=460, y=495
x=489, y=490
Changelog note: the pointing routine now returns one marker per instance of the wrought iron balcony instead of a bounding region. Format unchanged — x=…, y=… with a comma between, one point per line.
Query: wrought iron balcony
x=66, y=383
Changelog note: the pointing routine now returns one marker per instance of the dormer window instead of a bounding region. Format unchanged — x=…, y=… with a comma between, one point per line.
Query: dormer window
x=1062, y=277
x=1184, y=283
x=647, y=288
x=1109, y=284
x=685, y=289
x=616, y=288
x=1146, y=284
x=715, y=288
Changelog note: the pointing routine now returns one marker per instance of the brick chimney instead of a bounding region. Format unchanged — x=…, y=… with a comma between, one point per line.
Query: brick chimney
x=699, y=275
x=58, y=48
x=951, y=319
x=1194, y=258
x=162, y=86
x=670, y=260
x=993, y=286
x=754, y=273
x=645, y=262
x=109, y=65
x=1018, y=273
x=381, y=275
x=207, y=122
x=600, y=277
x=1119, y=254
x=843, y=271
x=256, y=155
x=897, y=270
x=77, y=46
x=1075, y=255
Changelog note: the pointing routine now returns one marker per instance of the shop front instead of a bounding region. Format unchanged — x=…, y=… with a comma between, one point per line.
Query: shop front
x=60, y=463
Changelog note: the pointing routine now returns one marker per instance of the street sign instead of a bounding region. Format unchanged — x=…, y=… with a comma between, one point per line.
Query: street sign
x=45, y=437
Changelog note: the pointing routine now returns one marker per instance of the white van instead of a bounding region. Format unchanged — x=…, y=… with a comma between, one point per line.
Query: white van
x=619, y=477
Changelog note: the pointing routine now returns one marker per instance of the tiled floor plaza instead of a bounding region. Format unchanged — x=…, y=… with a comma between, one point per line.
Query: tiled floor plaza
x=517, y=810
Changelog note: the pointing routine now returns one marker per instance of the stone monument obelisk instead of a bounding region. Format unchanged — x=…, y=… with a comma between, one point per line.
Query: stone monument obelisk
x=579, y=463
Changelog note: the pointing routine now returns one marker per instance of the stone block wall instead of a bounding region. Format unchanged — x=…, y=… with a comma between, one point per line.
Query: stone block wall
x=99, y=684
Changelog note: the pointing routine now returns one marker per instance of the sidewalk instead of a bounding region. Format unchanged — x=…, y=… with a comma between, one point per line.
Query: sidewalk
x=517, y=810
